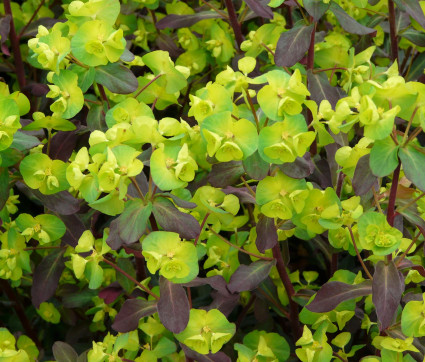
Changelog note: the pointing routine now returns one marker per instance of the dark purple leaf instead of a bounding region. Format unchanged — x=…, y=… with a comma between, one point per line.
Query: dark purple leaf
x=132, y=222
x=363, y=179
x=266, y=234
x=402, y=21
x=117, y=78
x=47, y=22
x=292, y=46
x=260, y=8
x=111, y=292
x=114, y=239
x=225, y=173
x=130, y=313
x=302, y=167
x=348, y=23
x=46, y=277
x=171, y=219
x=244, y=196
x=74, y=228
x=175, y=21
x=321, y=89
x=224, y=303
x=166, y=43
x=143, y=184
x=62, y=203
x=4, y=186
x=316, y=8
x=413, y=8
x=333, y=293
x=63, y=352
x=417, y=68
x=216, y=282
x=387, y=289
x=96, y=119
x=416, y=37
x=126, y=265
x=249, y=277
x=216, y=357
x=178, y=201
x=61, y=145
x=255, y=166
x=4, y=32
x=37, y=89
x=173, y=306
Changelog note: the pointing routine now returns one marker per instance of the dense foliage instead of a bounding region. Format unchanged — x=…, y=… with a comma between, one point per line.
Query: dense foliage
x=212, y=180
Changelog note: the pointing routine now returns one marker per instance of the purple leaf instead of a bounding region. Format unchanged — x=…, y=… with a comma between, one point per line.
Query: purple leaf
x=63, y=352
x=255, y=166
x=349, y=24
x=216, y=357
x=249, y=277
x=111, y=292
x=413, y=8
x=266, y=234
x=302, y=167
x=62, y=203
x=175, y=21
x=333, y=293
x=132, y=222
x=216, y=282
x=171, y=219
x=316, y=8
x=363, y=179
x=224, y=303
x=225, y=173
x=260, y=8
x=173, y=306
x=74, y=228
x=4, y=186
x=292, y=46
x=46, y=277
x=117, y=78
x=241, y=193
x=321, y=89
x=130, y=313
x=178, y=201
x=61, y=145
x=143, y=184
x=387, y=289
x=4, y=31
x=114, y=239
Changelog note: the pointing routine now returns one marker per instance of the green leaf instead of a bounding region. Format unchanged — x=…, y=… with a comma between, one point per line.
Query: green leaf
x=413, y=162
x=133, y=221
x=416, y=37
x=63, y=352
x=384, y=157
x=117, y=78
x=292, y=45
x=316, y=8
x=127, y=266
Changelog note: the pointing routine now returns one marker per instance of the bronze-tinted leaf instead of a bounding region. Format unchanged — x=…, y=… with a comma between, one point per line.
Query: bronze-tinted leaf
x=175, y=21
x=225, y=173
x=348, y=23
x=316, y=8
x=130, y=313
x=132, y=222
x=321, y=89
x=363, y=179
x=249, y=277
x=173, y=306
x=260, y=8
x=266, y=234
x=117, y=78
x=63, y=352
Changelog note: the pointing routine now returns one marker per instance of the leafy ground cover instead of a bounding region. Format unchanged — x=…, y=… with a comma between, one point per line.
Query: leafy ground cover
x=212, y=180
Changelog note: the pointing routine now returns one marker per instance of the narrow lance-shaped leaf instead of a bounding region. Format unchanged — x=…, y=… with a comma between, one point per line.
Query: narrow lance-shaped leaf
x=260, y=8
x=117, y=78
x=175, y=21
x=266, y=234
x=387, y=289
x=413, y=8
x=249, y=277
x=333, y=293
x=171, y=219
x=130, y=313
x=416, y=37
x=292, y=46
x=63, y=352
x=173, y=306
x=348, y=23
x=46, y=277
x=316, y=8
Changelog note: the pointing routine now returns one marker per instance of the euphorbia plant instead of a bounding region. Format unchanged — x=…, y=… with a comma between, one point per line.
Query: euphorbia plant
x=205, y=180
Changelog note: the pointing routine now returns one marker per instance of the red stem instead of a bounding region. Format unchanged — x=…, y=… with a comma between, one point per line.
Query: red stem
x=31, y=19
x=391, y=200
x=310, y=57
x=14, y=40
x=281, y=268
x=233, y=18
x=393, y=34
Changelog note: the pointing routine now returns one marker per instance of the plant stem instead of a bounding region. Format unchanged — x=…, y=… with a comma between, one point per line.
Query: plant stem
x=415, y=238
x=358, y=254
x=406, y=132
x=14, y=40
x=31, y=19
x=249, y=188
x=393, y=195
x=413, y=135
x=202, y=226
x=274, y=302
x=399, y=210
x=147, y=85
x=245, y=311
x=218, y=11
x=375, y=197
x=129, y=277
x=135, y=184
x=239, y=248
x=233, y=19
x=49, y=138
x=310, y=56
x=251, y=105
x=8, y=290
x=103, y=94
x=154, y=225
x=293, y=315
x=393, y=34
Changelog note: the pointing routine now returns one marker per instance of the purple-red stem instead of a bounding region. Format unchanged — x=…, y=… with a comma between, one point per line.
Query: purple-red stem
x=391, y=200
x=31, y=19
x=233, y=18
x=103, y=94
x=293, y=315
x=310, y=66
x=14, y=40
x=393, y=34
